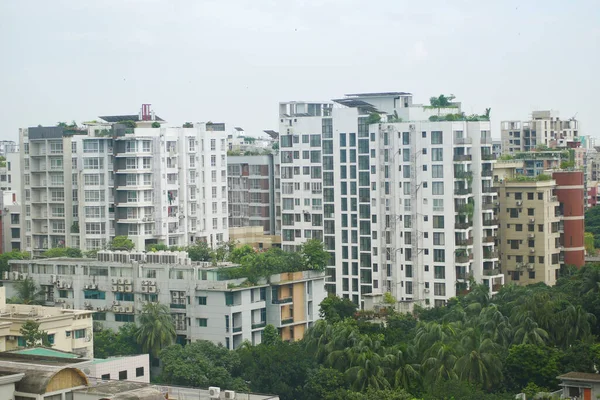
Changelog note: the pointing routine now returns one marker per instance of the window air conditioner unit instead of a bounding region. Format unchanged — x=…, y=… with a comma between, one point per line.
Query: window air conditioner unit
x=214, y=392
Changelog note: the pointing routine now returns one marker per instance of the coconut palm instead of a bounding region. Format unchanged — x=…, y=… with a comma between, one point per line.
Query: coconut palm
x=156, y=329
x=367, y=365
x=439, y=362
x=401, y=369
x=479, y=363
x=530, y=333
x=495, y=326
x=28, y=293
x=575, y=323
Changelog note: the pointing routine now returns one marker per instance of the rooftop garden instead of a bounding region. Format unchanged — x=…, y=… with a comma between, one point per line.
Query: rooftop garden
x=254, y=265
x=525, y=178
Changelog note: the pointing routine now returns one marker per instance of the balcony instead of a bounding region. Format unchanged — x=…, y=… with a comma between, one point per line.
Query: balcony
x=496, y=288
x=463, y=192
x=554, y=198
x=487, y=172
x=285, y=300
x=490, y=222
x=491, y=272
x=287, y=321
x=462, y=258
x=490, y=254
x=463, y=140
x=259, y=325
x=488, y=239
x=490, y=189
x=237, y=329
x=462, y=157
x=464, y=242
x=177, y=305
x=488, y=157
x=463, y=174
x=488, y=205
x=463, y=225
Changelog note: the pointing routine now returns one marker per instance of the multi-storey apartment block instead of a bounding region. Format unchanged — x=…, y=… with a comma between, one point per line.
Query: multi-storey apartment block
x=204, y=305
x=253, y=188
x=544, y=128
x=541, y=223
x=404, y=207
x=83, y=186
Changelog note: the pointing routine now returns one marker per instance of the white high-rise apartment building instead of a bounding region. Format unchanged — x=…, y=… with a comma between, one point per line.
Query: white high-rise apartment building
x=406, y=207
x=83, y=186
x=544, y=128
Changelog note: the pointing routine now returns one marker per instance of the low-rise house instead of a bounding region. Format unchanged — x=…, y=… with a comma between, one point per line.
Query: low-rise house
x=580, y=385
x=68, y=330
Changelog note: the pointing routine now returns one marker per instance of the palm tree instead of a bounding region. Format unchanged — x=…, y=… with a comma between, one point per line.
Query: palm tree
x=401, y=370
x=495, y=325
x=576, y=323
x=479, y=363
x=529, y=333
x=439, y=363
x=367, y=365
x=28, y=293
x=157, y=329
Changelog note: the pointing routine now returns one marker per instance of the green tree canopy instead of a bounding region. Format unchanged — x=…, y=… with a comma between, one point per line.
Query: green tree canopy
x=121, y=243
x=28, y=292
x=156, y=328
x=334, y=309
x=62, y=252
x=11, y=255
x=33, y=336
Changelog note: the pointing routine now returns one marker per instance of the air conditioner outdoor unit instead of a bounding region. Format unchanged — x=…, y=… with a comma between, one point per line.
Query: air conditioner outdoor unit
x=114, y=288
x=116, y=303
x=144, y=289
x=86, y=287
x=175, y=295
x=126, y=281
x=120, y=281
x=12, y=338
x=68, y=286
x=532, y=250
x=182, y=301
x=120, y=309
x=229, y=394
x=129, y=288
x=120, y=288
x=214, y=392
x=114, y=281
x=152, y=289
x=425, y=290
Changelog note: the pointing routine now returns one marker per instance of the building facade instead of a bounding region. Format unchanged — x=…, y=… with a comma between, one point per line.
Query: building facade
x=83, y=186
x=402, y=207
x=68, y=330
x=204, y=305
x=544, y=128
x=536, y=238
x=253, y=187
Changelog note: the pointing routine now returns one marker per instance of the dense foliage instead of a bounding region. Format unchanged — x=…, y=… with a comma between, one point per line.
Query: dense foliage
x=62, y=252
x=477, y=347
x=592, y=224
x=11, y=255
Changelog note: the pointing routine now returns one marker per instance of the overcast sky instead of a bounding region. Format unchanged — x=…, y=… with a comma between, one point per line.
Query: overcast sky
x=234, y=60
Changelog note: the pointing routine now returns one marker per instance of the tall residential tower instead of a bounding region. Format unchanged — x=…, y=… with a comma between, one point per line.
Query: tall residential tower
x=401, y=194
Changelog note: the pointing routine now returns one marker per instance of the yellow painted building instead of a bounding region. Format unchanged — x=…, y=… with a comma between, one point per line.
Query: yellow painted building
x=68, y=330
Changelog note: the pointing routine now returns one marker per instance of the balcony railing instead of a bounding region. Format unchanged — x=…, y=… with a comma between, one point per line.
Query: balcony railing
x=490, y=254
x=491, y=272
x=259, y=325
x=463, y=140
x=284, y=300
x=490, y=222
x=463, y=225
x=487, y=172
x=496, y=287
x=463, y=174
x=464, y=242
x=488, y=157
x=287, y=321
x=462, y=157
x=488, y=239
x=463, y=192
x=488, y=205
x=177, y=305
x=490, y=189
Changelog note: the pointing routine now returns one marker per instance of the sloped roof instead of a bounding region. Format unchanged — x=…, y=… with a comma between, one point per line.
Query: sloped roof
x=580, y=376
x=45, y=352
